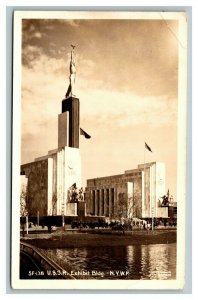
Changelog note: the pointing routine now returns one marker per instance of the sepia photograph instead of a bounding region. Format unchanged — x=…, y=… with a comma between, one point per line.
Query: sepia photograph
x=99, y=149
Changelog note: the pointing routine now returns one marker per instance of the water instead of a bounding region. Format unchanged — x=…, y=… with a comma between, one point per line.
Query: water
x=119, y=262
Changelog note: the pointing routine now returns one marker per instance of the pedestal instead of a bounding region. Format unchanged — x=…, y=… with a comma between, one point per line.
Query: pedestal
x=68, y=173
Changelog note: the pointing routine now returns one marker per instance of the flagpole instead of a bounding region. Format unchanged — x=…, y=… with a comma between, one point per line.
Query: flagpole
x=144, y=180
x=152, y=207
x=151, y=198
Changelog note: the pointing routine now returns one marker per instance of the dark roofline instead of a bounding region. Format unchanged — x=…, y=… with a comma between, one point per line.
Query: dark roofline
x=33, y=162
x=104, y=177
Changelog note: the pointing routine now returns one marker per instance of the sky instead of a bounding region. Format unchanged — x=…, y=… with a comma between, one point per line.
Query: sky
x=127, y=84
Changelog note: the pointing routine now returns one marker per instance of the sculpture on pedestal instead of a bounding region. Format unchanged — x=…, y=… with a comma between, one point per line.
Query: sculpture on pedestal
x=72, y=76
x=75, y=194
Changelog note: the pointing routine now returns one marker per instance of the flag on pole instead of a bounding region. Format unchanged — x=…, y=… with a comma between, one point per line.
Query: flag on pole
x=147, y=147
x=86, y=135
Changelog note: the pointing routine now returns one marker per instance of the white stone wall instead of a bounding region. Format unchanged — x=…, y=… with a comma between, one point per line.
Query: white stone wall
x=162, y=212
x=24, y=181
x=130, y=193
x=50, y=186
x=160, y=184
x=143, y=193
x=153, y=187
x=153, y=190
x=68, y=173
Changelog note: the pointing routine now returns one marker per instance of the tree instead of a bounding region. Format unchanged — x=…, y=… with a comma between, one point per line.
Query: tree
x=23, y=206
x=127, y=209
x=54, y=202
x=122, y=206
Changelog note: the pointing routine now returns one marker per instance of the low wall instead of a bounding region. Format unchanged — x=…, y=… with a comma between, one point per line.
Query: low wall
x=46, y=263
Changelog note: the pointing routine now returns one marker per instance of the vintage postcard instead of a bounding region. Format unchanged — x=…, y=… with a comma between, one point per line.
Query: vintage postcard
x=99, y=147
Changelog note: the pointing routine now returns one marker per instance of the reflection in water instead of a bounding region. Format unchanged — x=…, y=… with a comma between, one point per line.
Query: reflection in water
x=158, y=261
x=121, y=262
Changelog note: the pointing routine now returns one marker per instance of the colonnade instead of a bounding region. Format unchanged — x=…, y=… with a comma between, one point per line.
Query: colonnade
x=103, y=202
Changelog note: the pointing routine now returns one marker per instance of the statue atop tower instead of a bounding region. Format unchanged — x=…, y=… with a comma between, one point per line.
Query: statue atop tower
x=72, y=76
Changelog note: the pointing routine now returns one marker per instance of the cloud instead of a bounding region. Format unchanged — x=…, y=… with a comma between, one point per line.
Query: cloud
x=40, y=63
x=127, y=109
x=87, y=67
x=37, y=35
x=44, y=86
x=127, y=54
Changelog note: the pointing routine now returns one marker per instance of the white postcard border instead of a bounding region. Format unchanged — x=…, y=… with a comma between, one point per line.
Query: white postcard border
x=97, y=284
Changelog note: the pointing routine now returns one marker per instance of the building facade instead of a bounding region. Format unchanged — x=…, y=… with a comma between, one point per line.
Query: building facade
x=50, y=178
x=135, y=193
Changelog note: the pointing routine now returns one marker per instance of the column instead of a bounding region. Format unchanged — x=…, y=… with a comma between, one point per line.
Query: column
x=110, y=202
x=100, y=202
x=96, y=202
x=90, y=208
x=93, y=202
x=107, y=203
x=115, y=201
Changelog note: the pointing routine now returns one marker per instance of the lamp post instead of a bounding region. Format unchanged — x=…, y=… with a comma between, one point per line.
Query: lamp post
x=63, y=220
x=152, y=215
x=38, y=218
x=27, y=223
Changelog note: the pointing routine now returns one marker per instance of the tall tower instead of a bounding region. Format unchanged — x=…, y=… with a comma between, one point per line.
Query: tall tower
x=68, y=123
x=68, y=155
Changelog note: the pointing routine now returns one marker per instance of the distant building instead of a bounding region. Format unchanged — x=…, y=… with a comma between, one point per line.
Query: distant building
x=135, y=193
